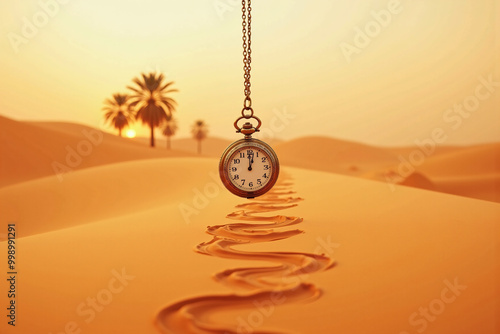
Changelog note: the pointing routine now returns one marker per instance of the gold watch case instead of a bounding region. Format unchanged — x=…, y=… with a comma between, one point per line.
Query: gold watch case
x=248, y=144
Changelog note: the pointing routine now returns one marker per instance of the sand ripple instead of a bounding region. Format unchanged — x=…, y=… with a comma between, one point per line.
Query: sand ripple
x=262, y=286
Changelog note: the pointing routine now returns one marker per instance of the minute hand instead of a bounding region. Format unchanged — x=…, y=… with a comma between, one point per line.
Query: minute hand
x=250, y=162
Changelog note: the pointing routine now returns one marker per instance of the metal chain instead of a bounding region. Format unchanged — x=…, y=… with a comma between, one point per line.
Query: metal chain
x=247, y=52
x=247, y=113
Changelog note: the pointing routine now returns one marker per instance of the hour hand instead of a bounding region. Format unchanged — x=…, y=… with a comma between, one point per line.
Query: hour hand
x=250, y=161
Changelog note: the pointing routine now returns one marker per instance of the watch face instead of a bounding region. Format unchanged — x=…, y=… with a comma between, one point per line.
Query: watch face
x=249, y=168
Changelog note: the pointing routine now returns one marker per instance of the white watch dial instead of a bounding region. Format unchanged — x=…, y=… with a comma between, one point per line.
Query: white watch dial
x=250, y=168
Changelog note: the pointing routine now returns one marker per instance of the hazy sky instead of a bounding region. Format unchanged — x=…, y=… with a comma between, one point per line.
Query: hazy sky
x=380, y=72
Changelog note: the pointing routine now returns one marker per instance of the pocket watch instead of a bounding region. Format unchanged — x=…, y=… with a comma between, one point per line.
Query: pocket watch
x=248, y=167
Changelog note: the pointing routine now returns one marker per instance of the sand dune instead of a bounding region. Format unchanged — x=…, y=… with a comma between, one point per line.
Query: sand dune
x=485, y=187
x=116, y=244
x=438, y=150
x=33, y=150
x=332, y=155
x=39, y=149
x=481, y=159
x=419, y=180
x=466, y=171
x=471, y=171
x=211, y=146
x=123, y=268
x=99, y=193
x=270, y=283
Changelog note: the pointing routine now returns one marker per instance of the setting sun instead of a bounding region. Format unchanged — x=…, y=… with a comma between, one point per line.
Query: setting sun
x=130, y=133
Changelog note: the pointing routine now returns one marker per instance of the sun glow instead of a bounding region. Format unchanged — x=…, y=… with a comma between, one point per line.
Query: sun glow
x=55, y=56
x=130, y=133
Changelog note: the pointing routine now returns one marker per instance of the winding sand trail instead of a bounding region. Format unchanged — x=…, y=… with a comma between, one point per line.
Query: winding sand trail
x=284, y=282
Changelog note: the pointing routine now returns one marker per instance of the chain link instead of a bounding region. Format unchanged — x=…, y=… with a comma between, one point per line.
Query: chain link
x=247, y=49
x=247, y=111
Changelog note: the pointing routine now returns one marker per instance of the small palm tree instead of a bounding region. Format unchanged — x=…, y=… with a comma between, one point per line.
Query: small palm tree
x=200, y=132
x=150, y=100
x=118, y=111
x=169, y=130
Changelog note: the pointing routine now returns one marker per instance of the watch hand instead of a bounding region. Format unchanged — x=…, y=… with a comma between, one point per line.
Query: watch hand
x=250, y=161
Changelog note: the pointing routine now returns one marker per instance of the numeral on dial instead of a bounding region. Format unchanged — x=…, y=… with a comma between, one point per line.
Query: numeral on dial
x=250, y=169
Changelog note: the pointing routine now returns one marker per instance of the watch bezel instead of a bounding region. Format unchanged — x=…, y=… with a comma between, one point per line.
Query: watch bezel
x=224, y=162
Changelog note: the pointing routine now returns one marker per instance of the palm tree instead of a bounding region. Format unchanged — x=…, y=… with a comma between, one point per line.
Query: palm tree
x=199, y=131
x=118, y=111
x=169, y=130
x=150, y=100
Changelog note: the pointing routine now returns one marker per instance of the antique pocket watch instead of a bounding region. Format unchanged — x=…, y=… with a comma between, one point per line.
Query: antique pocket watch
x=248, y=167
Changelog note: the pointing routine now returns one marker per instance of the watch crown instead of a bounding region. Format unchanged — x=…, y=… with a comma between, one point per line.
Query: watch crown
x=248, y=129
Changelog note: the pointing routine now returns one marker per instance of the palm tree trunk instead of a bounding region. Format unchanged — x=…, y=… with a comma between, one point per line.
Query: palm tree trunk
x=152, y=136
x=120, y=132
x=168, y=142
x=199, y=146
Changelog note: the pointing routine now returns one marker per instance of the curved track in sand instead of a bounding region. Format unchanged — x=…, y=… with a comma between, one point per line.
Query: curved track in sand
x=283, y=282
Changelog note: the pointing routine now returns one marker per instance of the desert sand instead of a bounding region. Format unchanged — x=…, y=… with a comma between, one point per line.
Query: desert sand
x=30, y=150
x=140, y=240
x=466, y=171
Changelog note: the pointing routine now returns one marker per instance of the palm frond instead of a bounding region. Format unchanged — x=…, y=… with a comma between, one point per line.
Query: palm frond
x=118, y=111
x=166, y=85
x=150, y=101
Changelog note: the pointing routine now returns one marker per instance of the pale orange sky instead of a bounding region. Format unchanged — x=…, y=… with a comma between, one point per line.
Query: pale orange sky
x=393, y=91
